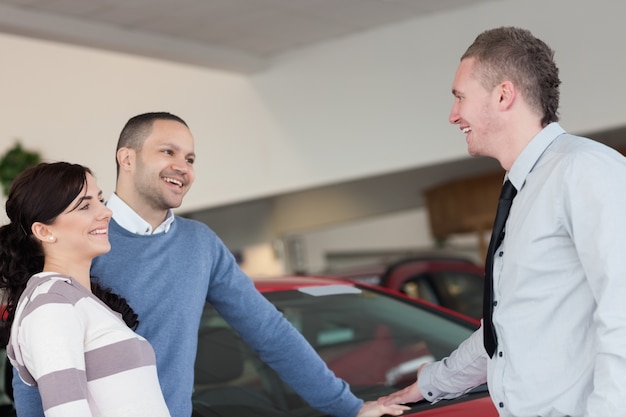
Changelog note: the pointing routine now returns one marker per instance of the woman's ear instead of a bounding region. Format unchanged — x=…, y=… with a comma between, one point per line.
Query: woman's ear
x=43, y=233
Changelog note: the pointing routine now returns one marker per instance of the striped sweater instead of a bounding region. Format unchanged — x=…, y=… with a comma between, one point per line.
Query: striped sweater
x=80, y=354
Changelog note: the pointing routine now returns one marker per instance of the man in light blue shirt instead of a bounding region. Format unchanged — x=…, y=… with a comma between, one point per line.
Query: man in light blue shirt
x=559, y=275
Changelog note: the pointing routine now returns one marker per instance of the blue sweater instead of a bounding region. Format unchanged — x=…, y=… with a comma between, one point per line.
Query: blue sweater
x=168, y=277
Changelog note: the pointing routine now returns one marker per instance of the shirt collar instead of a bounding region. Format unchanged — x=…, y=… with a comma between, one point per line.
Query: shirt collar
x=126, y=217
x=531, y=154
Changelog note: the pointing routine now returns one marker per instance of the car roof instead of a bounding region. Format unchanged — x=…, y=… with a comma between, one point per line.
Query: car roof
x=291, y=282
x=294, y=282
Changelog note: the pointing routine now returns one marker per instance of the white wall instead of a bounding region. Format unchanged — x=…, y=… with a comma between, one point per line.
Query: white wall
x=380, y=101
x=70, y=103
x=374, y=240
x=373, y=103
x=399, y=231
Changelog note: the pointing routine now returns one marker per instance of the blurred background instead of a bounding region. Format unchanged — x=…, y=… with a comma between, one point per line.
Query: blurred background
x=321, y=125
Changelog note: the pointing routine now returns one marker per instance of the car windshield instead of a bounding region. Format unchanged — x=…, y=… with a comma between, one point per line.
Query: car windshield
x=371, y=339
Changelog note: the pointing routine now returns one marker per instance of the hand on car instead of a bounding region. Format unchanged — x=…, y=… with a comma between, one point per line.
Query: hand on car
x=376, y=409
x=410, y=394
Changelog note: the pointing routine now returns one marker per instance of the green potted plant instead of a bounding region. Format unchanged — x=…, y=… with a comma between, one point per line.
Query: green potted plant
x=13, y=162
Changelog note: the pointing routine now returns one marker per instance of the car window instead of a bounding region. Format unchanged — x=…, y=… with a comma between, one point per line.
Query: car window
x=374, y=341
x=421, y=286
x=463, y=292
x=459, y=291
x=6, y=403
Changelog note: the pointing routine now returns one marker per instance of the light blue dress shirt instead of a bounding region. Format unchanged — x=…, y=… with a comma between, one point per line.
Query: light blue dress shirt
x=560, y=287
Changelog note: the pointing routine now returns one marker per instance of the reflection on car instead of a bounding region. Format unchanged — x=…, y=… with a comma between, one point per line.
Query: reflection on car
x=374, y=339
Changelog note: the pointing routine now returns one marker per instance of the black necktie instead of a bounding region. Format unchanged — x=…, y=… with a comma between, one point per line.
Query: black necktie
x=504, y=205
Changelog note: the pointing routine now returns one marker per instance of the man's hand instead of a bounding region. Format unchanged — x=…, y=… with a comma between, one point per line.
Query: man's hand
x=410, y=394
x=376, y=409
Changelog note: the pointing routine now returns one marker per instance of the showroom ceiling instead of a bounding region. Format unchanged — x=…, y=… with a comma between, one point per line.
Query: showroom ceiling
x=237, y=35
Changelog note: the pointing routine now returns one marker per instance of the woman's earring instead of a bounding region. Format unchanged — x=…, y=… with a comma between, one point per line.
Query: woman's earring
x=51, y=238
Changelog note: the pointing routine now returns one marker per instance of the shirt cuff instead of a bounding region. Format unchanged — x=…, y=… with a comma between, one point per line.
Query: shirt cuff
x=428, y=389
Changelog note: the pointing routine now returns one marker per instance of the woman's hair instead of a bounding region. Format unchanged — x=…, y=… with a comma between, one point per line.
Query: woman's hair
x=39, y=194
x=115, y=303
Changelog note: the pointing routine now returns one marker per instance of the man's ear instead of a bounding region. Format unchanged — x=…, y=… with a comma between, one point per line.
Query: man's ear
x=507, y=93
x=126, y=158
x=42, y=232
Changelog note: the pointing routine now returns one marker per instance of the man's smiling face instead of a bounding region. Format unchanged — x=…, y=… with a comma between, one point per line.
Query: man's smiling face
x=474, y=110
x=164, y=166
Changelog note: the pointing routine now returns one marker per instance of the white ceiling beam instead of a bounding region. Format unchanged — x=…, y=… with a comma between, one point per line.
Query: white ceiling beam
x=48, y=26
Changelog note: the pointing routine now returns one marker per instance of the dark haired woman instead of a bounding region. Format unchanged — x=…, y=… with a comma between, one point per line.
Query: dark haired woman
x=66, y=335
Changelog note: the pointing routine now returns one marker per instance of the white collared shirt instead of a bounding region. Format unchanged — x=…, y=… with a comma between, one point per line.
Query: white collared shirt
x=131, y=221
x=560, y=285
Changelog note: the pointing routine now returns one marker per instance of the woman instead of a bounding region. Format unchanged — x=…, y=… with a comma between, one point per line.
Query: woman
x=79, y=351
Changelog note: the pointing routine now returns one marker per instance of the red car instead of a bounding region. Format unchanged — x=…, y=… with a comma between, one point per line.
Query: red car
x=373, y=338
x=451, y=282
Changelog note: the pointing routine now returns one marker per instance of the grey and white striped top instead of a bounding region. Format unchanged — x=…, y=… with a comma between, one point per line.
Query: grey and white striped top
x=81, y=355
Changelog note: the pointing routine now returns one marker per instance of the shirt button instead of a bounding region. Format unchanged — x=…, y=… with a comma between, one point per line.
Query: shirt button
x=501, y=405
x=500, y=354
x=500, y=253
x=495, y=303
x=430, y=394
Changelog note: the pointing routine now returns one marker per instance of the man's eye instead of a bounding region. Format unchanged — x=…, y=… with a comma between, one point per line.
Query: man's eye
x=191, y=161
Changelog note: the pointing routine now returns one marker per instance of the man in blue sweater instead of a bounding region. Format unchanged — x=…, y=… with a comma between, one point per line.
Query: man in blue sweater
x=167, y=267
